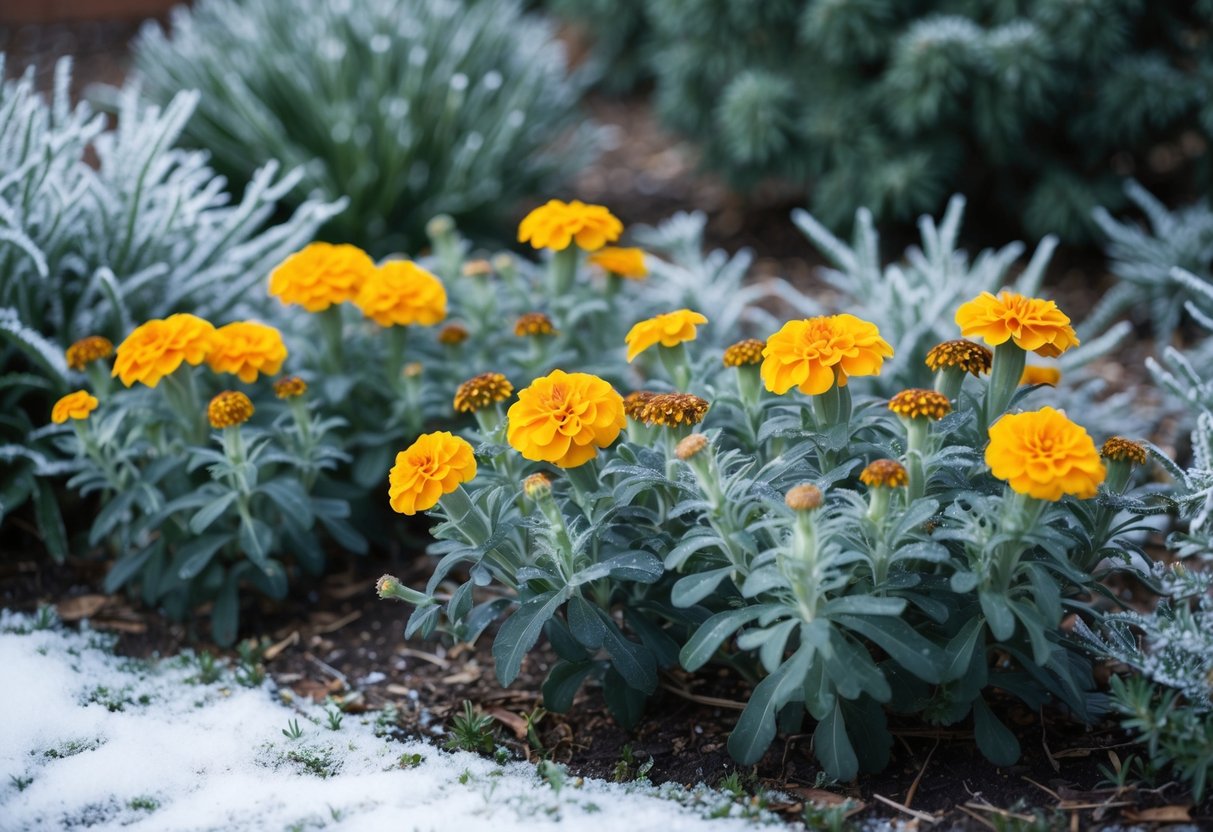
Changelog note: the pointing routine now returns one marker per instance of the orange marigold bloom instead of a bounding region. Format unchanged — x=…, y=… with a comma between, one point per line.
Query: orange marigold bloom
x=814, y=354
x=432, y=466
x=673, y=409
x=744, y=352
x=669, y=330
x=482, y=391
x=564, y=418
x=453, y=334
x=633, y=403
x=969, y=356
x=228, y=409
x=1034, y=325
x=321, y=275
x=1033, y=374
x=917, y=403
x=557, y=224
x=401, y=293
x=624, y=262
x=885, y=473
x=533, y=323
x=289, y=387
x=1119, y=449
x=87, y=350
x=77, y=405
x=1043, y=454
x=803, y=497
x=245, y=349
x=157, y=348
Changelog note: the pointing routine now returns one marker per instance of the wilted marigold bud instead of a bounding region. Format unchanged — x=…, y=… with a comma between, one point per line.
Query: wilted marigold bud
x=453, y=334
x=917, y=403
x=477, y=268
x=633, y=403
x=533, y=323
x=482, y=391
x=87, y=350
x=690, y=446
x=537, y=485
x=674, y=409
x=969, y=356
x=228, y=409
x=885, y=473
x=1119, y=449
x=744, y=352
x=803, y=497
x=289, y=387
x=412, y=369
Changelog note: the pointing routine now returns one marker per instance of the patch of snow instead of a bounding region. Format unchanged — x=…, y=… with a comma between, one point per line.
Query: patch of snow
x=90, y=739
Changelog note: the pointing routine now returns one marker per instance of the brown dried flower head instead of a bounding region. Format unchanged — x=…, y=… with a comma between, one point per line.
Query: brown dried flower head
x=744, y=352
x=533, y=323
x=885, y=473
x=674, y=409
x=917, y=403
x=1119, y=449
x=969, y=356
x=803, y=497
x=482, y=391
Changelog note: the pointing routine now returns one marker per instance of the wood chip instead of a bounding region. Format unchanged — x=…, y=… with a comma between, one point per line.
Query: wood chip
x=82, y=606
x=510, y=720
x=1160, y=814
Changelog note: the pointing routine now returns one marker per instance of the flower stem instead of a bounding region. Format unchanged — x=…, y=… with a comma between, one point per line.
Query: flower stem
x=1009, y=361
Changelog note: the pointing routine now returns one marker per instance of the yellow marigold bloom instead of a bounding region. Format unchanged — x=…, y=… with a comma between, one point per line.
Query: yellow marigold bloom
x=625, y=262
x=432, y=466
x=1033, y=374
x=557, y=224
x=1034, y=325
x=917, y=403
x=1119, y=449
x=75, y=405
x=690, y=446
x=633, y=403
x=803, y=497
x=533, y=323
x=814, y=354
x=245, y=349
x=1043, y=454
x=87, y=350
x=969, y=356
x=401, y=293
x=228, y=409
x=288, y=387
x=669, y=330
x=157, y=348
x=744, y=352
x=482, y=391
x=564, y=418
x=453, y=334
x=321, y=275
x=477, y=268
x=673, y=409
x=885, y=473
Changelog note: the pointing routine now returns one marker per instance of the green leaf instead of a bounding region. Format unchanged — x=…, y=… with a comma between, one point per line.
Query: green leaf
x=290, y=497
x=960, y=649
x=998, y=613
x=756, y=728
x=208, y=514
x=712, y=633
x=196, y=554
x=562, y=684
x=225, y=615
x=127, y=566
x=994, y=739
x=908, y=648
x=50, y=521
x=110, y=515
x=633, y=661
x=865, y=605
x=584, y=623
x=691, y=589
x=520, y=632
x=625, y=702
x=832, y=746
x=255, y=538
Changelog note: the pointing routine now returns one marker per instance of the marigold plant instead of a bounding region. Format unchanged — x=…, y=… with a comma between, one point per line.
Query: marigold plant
x=77, y=405
x=432, y=466
x=621, y=262
x=556, y=225
x=816, y=354
x=401, y=293
x=1043, y=454
x=668, y=330
x=247, y=349
x=321, y=275
x=565, y=418
x=157, y=348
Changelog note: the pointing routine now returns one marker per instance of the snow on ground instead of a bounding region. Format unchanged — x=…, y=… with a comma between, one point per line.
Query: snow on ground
x=92, y=740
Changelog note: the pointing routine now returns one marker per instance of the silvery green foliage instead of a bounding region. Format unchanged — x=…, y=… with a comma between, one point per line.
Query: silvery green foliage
x=411, y=108
x=1162, y=266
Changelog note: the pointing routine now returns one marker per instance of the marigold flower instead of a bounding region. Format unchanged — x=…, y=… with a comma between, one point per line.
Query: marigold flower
x=432, y=466
x=228, y=409
x=744, y=352
x=556, y=224
x=564, y=418
x=289, y=387
x=1033, y=324
x=412, y=369
x=673, y=409
x=453, y=334
x=537, y=485
x=624, y=262
x=669, y=330
x=477, y=268
x=533, y=323
x=803, y=497
x=814, y=354
x=245, y=349
x=401, y=293
x=1119, y=449
x=969, y=356
x=690, y=446
x=157, y=348
x=482, y=391
x=77, y=405
x=87, y=350
x=885, y=473
x=321, y=275
x=1043, y=454
x=633, y=403
x=1033, y=374
x=917, y=403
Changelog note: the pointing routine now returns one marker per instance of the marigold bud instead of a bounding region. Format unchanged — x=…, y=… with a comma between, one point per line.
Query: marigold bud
x=885, y=473
x=482, y=391
x=412, y=369
x=87, y=350
x=288, y=387
x=744, y=352
x=804, y=497
x=1120, y=449
x=917, y=403
x=537, y=485
x=690, y=446
x=533, y=323
x=674, y=409
x=439, y=226
x=453, y=334
x=971, y=357
x=229, y=409
x=477, y=268
x=386, y=586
